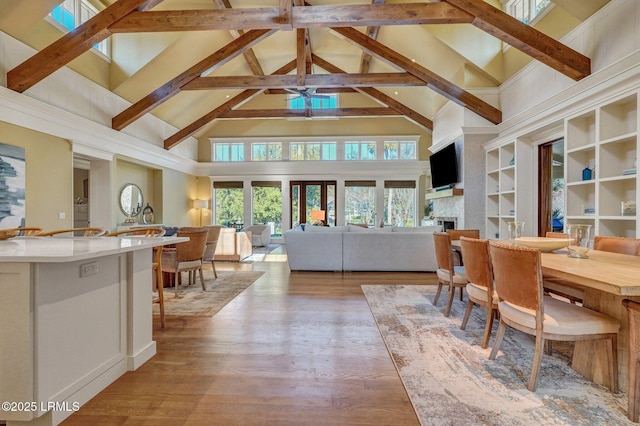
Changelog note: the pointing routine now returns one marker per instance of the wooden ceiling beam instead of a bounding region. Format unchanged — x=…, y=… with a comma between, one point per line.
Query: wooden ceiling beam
x=312, y=80
x=372, y=31
x=301, y=17
x=70, y=46
x=249, y=55
x=212, y=115
x=171, y=88
x=317, y=113
x=379, y=96
x=526, y=38
x=434, y=81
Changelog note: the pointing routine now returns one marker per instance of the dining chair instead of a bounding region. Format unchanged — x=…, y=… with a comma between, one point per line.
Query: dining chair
x=156, y=268
x=86, y=232
x=480, y=290
x=620, y=245
x=186, y=256
x=142, y=232
x=518, y=279
x=633, y=389
x=561, y=287
x=448, y=274
x=210, y=248
x=455, y=234
x=26, y=231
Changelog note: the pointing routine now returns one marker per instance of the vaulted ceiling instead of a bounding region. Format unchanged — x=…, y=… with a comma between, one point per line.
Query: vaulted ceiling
x=197, y=62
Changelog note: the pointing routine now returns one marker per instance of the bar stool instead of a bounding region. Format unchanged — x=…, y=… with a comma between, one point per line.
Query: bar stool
x=633, y=391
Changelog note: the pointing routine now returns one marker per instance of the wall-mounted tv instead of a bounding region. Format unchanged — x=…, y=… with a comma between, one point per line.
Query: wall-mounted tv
x=444, y=167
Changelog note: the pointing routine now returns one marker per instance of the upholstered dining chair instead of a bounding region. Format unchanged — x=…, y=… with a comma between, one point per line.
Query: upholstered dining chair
x=477, y=266
x=26, y=231
x=620, y=245
x=141, y=232
x=455, y=234
x=210, y=248
x=518, y=279
x=448, y=275
x=561, y=287
x=186, y=256
x=86, y=232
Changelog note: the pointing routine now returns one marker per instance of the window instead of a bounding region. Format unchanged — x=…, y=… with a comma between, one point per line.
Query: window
x=400, y=150
x=317, y=101
x=399, y=202
x=312, y=151
x=525, y=10
x=266, y=151
x=229, y=152
x=73, y=13
x=229, y=208
x=360, y=150
x=360, y=202
x=267, y=205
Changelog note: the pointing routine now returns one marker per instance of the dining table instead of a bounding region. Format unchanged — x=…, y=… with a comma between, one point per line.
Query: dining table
x=607, y=279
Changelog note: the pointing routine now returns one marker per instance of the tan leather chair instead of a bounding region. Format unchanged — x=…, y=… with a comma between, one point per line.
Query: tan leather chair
x=448, y=274
x=561, y=287
x=477, y=266
x=518, y=279
x=86, y=232
x=455, y=234
x=617, y=245
x=186, y=256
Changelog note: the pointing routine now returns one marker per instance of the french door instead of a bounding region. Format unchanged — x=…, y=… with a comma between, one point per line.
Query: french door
x=308, y=196
x=551, y=187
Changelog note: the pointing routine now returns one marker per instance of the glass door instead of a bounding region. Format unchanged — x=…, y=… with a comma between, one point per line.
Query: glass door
x=313, y=202
x=551, y=187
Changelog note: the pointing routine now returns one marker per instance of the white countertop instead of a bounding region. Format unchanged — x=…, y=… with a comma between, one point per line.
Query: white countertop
x=68, y=249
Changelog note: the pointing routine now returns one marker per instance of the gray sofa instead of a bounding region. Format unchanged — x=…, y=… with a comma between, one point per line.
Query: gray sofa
x=352, y=248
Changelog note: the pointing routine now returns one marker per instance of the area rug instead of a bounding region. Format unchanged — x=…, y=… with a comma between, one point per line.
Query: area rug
x=259, y=253
x=192, y=301
x=451, y=381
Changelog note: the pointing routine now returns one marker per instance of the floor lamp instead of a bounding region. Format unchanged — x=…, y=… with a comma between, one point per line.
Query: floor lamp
x=199, y=205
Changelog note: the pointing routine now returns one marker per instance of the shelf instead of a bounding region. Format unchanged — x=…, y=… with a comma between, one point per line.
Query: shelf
x=443, y=194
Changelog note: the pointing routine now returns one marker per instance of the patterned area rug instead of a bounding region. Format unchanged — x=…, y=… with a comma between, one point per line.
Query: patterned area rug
x=192, y=301
x=451, y=381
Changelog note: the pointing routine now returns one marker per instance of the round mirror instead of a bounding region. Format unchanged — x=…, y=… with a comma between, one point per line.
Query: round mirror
x=131, y=200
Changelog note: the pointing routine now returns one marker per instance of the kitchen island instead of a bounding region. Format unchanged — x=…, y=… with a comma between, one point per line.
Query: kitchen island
x=75, y=314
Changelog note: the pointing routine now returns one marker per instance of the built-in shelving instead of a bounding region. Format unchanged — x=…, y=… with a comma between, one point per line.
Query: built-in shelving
x=605, y=139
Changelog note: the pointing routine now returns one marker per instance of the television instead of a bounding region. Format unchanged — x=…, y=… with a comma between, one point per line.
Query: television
x=444, y=167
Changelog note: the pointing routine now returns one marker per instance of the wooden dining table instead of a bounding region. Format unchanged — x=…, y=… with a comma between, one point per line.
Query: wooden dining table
x=607, y=279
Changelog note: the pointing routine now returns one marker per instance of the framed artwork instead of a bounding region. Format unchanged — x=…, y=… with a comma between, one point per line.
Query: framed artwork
x=12, y=186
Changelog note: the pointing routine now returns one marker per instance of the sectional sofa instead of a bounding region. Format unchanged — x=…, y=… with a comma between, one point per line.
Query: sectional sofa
x=352, y=248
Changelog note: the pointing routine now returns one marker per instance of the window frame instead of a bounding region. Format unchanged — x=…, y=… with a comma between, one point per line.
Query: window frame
x=103, y=48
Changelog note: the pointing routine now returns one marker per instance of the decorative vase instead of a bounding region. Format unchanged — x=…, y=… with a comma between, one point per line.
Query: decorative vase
x=587, y=173
x=147, y=214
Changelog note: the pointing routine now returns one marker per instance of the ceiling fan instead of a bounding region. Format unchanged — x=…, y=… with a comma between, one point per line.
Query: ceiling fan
x=307, y=95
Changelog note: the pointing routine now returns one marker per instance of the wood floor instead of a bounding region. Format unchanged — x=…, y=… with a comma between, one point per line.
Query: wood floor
x=294, y=348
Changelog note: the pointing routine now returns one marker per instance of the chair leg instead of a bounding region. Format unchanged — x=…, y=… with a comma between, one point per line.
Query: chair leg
x=487, y=328
x=452, y=292
x=437, y=296
x=213, y=266
x=201, y=278
x=502, y=328
x=467, y=313
x=461, y=291
x=175, y=283
x=537, y=361
x=160, y=284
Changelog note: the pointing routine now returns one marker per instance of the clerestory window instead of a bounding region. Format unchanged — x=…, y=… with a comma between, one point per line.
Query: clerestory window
x=70, y=14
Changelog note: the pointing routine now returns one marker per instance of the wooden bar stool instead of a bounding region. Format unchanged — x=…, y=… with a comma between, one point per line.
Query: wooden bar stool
x=633, y=308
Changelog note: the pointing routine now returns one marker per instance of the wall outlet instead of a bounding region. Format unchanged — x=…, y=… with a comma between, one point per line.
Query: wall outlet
x=88, y=269
x=62, y=215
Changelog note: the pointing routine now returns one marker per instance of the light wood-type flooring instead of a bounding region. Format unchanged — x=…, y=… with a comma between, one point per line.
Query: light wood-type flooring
x=297, y=348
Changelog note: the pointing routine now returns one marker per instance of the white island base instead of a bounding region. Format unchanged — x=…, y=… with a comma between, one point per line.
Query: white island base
x=75, y=315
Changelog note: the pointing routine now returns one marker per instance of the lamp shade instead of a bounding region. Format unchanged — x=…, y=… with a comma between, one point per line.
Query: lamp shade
x=200, y=204
x=317, y=214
